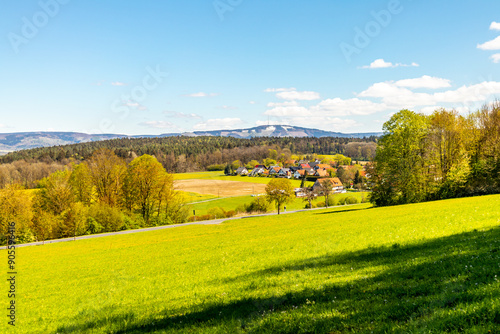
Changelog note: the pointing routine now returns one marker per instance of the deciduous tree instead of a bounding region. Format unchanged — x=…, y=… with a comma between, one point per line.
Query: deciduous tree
x=279, y=191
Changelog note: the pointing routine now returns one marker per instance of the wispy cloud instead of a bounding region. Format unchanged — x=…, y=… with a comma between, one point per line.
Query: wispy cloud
x=494, y=44
x=381, y=63
x=496, y=58
x=425, y=81
x=117, y=83
x=135, y=105
x=201, y=94
x=293, y=94
x=176, y=114
x=275, y=90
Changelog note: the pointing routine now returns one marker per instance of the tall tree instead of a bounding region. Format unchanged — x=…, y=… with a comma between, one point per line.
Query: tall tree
x=279, y=191
x=326, y=189
x=107, y=172
x=55, y=194
x=81, y=183
x=399, y=163
x=145, y=184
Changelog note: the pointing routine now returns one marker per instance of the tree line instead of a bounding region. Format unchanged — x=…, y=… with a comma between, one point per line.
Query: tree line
x=186, y=154
x=443, y=155
x=101, y=194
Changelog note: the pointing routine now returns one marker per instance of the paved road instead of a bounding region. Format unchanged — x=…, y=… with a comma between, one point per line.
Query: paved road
x=205, y=222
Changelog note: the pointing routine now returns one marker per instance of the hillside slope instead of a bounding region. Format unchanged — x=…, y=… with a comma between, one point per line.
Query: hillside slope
x=428, y=267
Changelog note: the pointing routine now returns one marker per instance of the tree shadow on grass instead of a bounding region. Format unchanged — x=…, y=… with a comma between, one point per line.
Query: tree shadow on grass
x=442, y=285
x=341, y=211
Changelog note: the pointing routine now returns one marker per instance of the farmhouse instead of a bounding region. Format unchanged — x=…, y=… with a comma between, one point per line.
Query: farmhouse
x=321, y=173
x=257, y=171
x=274, y=170
x=322, y=166
x=285, y=172
x=337, y=186
x=241, y=171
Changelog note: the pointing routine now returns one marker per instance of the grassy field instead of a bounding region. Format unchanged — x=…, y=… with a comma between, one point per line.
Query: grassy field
x=231, y=203
x=422, y=268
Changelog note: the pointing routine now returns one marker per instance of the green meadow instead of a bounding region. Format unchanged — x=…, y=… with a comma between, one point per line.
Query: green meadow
x=420, y=268
x=232, y=203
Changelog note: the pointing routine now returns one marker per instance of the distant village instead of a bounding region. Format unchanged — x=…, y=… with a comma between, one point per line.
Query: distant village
x=351, y=176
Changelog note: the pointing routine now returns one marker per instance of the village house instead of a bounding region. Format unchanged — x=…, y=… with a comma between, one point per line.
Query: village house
x=321, y=173
x=285, y=172
x=337, y=186
x=257, y=171
x=273, y=170
x=322, y=166
x=241, y=171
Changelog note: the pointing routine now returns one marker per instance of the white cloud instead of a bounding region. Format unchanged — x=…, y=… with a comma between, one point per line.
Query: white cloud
x=317, y=122
x=495, y=25
x=218, y=124
x=399, y=97
x=424, y=82
x=494, y=44
x=135, y=105
x=252, y=102
x=288, y=111
x=381, y=63
x=201, y=94
x=429, y=110
x=496, y=58
x=282, y=104
x=158, y=125
x=327, y=108
x=340, y=107
x=274, y=90
x=295, y=95
x=117, y=83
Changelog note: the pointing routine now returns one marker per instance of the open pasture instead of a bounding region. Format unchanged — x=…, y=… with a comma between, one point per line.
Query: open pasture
x=220, y=176
x=219, y=188
x=421, y=268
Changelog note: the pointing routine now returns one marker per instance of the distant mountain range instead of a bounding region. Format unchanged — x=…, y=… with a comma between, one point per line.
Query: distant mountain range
x=24, y=140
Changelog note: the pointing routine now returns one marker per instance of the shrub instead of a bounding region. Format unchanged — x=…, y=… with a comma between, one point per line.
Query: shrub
x=259, y=204
x=130, y=224
x=313, y=205
x=110, y=218
x=332, y=201
x=351, y=200
x=230, y=213
x=215, y=213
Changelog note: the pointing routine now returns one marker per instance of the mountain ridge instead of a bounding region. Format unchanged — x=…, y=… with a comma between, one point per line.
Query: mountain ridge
x=16, y=141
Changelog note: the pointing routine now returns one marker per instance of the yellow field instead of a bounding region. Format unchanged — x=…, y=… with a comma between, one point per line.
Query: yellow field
x=219, y=187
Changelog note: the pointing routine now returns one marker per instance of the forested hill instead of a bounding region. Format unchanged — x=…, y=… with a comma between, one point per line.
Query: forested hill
x=181, y=153
x=25, y=140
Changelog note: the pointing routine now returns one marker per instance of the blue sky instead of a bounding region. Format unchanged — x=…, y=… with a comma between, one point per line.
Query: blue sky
x=151, y=67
